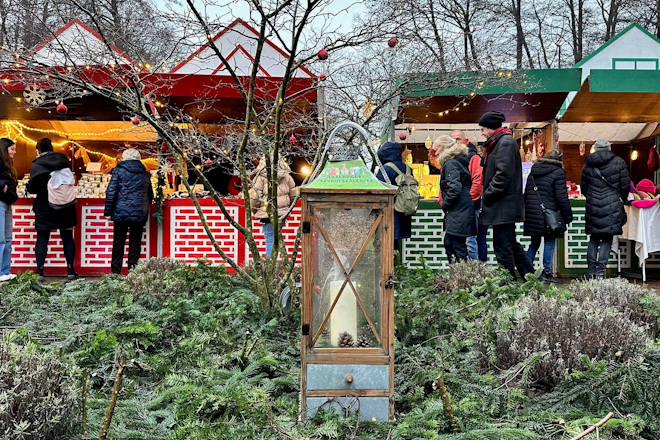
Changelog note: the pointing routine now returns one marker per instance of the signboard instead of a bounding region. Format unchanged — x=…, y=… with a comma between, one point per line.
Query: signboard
x=352, y=174
x=93, y=167
x=526, y=168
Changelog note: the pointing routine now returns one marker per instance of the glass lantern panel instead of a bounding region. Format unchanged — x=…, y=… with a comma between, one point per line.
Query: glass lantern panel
x=355, y=320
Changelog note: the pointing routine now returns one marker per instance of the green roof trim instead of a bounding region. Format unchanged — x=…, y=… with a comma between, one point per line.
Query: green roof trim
x=613, y=39
x=632, y=81
x=489, y=83
x=352, y=174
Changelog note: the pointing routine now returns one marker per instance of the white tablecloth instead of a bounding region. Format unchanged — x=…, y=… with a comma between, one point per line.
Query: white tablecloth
x=643, y=227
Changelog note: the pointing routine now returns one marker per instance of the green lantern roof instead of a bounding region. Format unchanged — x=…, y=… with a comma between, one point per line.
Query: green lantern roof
x=351, y=174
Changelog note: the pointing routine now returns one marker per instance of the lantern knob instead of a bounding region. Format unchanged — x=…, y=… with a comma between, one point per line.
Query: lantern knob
x=349, y=378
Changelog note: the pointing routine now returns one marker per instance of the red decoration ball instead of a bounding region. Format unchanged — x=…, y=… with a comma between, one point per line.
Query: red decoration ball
x=163, y=147
x=135, y=120
x=292, y=138
x=208, y=162
x=403, y=136
x=322, y=54
x=392, y=42
x=322, y=77
x=61, y=109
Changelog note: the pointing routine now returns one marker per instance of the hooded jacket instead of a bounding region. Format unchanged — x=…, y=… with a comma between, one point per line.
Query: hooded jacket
x=455, y=183
x=286, y=191
x=7, y=178
x=129, y=193
x=476, y=173
x=604, y=208
x=391, y=152
x=45, y=217
x=550, y=179
x=502, y=198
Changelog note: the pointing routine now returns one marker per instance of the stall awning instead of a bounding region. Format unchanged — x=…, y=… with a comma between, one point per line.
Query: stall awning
x=617, y=96
x=525, y=95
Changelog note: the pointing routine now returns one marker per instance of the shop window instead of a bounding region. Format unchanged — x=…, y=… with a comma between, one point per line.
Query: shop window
x=635, y=63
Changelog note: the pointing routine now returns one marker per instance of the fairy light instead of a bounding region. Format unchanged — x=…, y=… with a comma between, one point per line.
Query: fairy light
x=305, y=170
x=20, y=125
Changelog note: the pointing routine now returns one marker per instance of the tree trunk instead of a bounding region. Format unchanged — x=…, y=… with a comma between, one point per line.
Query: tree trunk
x=657, y=18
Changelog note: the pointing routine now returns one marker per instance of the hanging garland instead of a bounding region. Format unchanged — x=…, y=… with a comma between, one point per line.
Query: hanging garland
x=160, y=183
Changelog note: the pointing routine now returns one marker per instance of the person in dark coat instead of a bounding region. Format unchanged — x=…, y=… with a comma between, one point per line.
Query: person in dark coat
x=605, y=184
x=45, y=217
x=546, y=183
x=7, y=198
x=390, y=152
x=502, y=198
x=455, y=184
x=127, y=200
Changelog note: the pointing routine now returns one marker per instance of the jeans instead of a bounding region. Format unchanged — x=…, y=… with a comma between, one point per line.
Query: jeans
x=508, y=251
x=269, y=235
x=134, y=229
x=476, y=244
x=5, y=238
x=41, y=248
x=548, y=250
x=455, y=248
x=598, y=252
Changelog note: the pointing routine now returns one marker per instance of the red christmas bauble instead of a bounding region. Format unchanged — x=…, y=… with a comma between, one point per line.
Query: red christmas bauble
x=61, y=109
x=163, y=147
x=292, y=138
x=135, y=120
x=322, y=77
x=234, y=185
x=392, y=42
x=403, y=136
x=322, y=54
x=208, y=162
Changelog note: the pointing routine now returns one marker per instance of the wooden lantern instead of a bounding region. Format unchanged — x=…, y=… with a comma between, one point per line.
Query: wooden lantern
x=347, y=293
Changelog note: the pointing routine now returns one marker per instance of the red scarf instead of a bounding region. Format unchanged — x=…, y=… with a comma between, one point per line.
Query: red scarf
x=490, y=142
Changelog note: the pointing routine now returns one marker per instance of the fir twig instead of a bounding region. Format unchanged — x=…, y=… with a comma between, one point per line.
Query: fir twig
x=84, y=403
x=439, y=384
x=113, y=401
x=594, y=427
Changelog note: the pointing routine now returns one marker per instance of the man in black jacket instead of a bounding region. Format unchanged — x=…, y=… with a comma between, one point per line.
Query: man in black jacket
x=502, y=199
x=605, y=184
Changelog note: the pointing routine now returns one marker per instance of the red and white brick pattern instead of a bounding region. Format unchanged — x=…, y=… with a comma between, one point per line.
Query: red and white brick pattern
x=289, y=232
x=25, y=237
x=188, y=239
x=97, y=235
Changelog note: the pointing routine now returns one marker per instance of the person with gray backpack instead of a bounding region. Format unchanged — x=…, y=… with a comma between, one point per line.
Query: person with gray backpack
x=407, y=196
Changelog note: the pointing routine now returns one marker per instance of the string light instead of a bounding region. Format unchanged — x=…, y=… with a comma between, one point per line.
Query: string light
x=63, y=133
x=305, y=170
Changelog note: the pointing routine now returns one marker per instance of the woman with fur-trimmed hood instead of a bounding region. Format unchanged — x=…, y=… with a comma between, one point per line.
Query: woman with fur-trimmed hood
x=455, y=199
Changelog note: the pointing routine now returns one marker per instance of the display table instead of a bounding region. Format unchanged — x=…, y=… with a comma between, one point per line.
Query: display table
x=181, y=236
x=642, y=228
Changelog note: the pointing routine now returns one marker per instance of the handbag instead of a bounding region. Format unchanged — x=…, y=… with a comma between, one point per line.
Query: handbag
x=554, y=222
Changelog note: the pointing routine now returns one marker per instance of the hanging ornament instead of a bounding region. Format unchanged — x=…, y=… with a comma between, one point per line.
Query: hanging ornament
x=428, y=142
x=153, y=108
x=406, y=156
x=392, y=42
x=292, y=138
x=322, y=77
x=403, y=136
x=522, y=153
x=541, y=149
x=368, y=108
x=62, y=109
x=34, y=95
x=163, y=147
x=208, y=162
x=583, y=149
x=135, y=120
x=534, y=156
x=322, y=54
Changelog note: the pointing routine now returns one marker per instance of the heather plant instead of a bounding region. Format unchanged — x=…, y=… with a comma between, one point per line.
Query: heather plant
x=561, y=332
x=37, y=396
x=150, y=277
x=466, y=275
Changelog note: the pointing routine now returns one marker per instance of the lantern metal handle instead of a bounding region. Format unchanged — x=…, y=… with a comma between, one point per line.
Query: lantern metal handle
x=331, y=137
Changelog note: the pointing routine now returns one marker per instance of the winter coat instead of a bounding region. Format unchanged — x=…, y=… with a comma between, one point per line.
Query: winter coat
x=502, y=198
x=129, y=193
x=286, y=193
x=550, y=179
x=391, y=152
x=455, y=183
x=45, y=217
x=604, y=212
x=9, y=195
x=476, y=173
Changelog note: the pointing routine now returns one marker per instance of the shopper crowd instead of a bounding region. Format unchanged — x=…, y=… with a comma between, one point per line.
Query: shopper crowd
x=478, y=190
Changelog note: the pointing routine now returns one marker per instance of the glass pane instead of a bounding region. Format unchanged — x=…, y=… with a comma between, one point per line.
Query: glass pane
x=346, y=326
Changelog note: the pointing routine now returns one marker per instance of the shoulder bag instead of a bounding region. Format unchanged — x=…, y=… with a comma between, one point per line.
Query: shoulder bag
x=554, y=222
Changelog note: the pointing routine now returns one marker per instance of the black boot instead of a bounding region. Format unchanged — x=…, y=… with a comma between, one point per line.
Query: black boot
x=40, y=272
x=71, y=273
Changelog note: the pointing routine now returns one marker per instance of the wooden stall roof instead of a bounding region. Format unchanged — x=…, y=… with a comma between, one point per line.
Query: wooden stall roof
x=525, y=95
x=617, y=96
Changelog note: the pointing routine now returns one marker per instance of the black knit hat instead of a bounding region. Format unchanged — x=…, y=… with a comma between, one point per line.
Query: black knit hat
x=492, y=120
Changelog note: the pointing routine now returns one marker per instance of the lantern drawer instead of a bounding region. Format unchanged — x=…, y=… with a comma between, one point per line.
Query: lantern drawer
x=347, y=377
x=370, y=407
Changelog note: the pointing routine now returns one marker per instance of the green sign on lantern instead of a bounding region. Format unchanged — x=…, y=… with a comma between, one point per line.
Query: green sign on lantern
x=352, y=174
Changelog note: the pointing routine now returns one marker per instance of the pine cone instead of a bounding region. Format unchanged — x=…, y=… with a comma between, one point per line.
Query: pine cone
x=345, y=340
x=363, y=342
x=325, y=332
